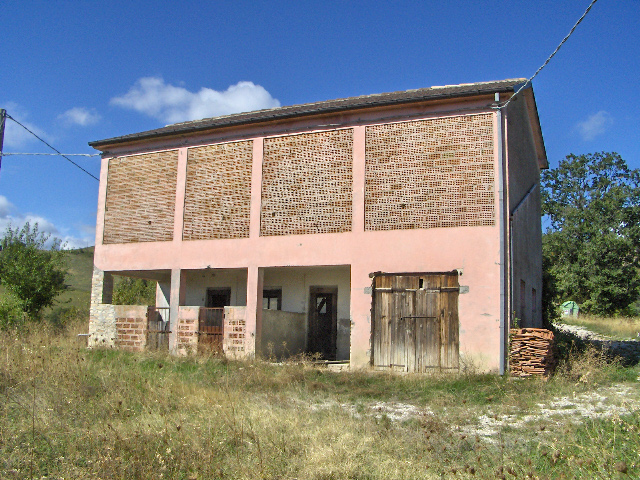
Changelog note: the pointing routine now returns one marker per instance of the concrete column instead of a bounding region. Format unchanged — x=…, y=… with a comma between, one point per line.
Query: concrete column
x=178, y=296
x=101, y=287
x=256, y=187
x=102, y=321
x=361, y=317
x=163, y=293
x=102, y=200
x=255, y=282
x=181, y=182
x=357, y=224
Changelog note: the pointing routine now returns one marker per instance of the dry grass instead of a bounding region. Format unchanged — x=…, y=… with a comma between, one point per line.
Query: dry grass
x=68, y=412
x=619, y=328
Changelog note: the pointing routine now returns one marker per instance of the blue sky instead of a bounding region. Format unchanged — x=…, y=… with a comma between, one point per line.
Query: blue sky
x=80, y=71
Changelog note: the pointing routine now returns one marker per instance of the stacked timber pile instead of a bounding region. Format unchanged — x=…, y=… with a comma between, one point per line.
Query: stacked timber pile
x=531, y=352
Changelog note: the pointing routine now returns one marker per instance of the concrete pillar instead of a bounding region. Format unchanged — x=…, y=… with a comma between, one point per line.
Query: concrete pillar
x=255, y=282
x=361, y=317
x=181, y=182
x=357, y=223
x=102, y=320
x=163, y=293
x=256, y=187
x=101, y=287
x=178, y=296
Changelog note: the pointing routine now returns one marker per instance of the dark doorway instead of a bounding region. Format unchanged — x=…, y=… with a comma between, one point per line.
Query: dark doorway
x=218, y=297
x=323, y=322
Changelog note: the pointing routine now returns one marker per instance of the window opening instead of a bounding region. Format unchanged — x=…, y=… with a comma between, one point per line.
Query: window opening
x=272, y=299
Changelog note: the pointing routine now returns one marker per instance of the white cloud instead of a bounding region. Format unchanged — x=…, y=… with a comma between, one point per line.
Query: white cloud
x=595, y=125
x=155, y=98
x=14, y=135
x=80, y=116
x=9, y=216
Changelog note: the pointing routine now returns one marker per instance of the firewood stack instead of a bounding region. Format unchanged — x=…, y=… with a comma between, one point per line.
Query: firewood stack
x=532, y=352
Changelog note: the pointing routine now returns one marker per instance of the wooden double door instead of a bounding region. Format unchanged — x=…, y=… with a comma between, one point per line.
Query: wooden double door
x=415, y=321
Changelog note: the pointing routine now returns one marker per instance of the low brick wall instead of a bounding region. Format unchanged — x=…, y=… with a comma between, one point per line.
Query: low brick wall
x=131, y=327
x=234, y=342
x=187, y=330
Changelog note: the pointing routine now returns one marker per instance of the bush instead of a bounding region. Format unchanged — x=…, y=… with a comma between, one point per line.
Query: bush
x=11, y=314
x=134, y=291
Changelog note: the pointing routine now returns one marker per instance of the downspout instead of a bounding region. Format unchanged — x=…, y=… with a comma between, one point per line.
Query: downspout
x=501, y=223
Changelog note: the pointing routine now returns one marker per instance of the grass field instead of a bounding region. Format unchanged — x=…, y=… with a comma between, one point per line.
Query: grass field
x=68, y=412
x=621, y=328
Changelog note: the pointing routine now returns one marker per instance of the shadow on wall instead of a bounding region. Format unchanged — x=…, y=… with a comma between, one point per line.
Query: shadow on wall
x=283, y=334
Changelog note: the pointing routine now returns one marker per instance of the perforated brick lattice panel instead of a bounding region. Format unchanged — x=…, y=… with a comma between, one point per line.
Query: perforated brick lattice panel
x=430, y=173
x=141, y=196
x=218, y=191
x=307, y=183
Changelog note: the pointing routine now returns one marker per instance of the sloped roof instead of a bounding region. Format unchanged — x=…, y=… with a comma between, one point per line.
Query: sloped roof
x=328, y=106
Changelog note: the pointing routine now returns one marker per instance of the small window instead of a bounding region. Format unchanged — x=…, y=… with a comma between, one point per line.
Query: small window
x=272, y=299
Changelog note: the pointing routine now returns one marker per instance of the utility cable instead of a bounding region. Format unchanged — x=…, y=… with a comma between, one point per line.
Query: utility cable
x=5, y=154
x=53, y=148
x=523, y=86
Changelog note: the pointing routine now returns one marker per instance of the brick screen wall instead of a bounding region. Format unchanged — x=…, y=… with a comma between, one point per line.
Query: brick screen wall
x=234, y=340
x=141, y=195
x=187, y=338
x=430, y=173
x=218, y=191
x=307, y=183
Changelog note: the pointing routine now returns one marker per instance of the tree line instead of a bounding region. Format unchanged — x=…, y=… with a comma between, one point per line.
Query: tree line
x=591, y=247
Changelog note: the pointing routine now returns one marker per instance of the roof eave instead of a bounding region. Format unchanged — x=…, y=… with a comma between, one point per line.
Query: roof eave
x=314, y=109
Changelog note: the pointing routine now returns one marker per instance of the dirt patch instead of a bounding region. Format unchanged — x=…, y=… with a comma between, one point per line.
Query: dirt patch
x=604, y=402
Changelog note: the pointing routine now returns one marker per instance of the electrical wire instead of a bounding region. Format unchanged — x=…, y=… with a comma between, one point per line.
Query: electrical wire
x=5, y=154
x=52, y=148
x=550, y=56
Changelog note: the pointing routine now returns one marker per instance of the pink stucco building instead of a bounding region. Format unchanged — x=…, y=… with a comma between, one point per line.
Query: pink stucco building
x=399, y=231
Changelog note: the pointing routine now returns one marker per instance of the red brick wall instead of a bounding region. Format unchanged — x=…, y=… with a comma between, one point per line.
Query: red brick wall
x=141, y=196
x=307, y=183
x=187, y=337
x=430, y=173
x=131, y=333
x=218, y=191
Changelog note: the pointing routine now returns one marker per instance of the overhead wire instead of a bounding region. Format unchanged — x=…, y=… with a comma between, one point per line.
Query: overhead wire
x=524, y=85
x=6, y=154
x=504, y=105
x=52, y=148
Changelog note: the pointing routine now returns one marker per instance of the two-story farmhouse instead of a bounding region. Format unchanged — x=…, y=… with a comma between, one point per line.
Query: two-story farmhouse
x=399, y=230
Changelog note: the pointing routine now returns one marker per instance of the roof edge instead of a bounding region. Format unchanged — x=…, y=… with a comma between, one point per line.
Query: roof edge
x=318, y=108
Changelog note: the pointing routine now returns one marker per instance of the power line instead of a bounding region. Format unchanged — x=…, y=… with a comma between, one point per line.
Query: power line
x=550, y=56
x=53, y=148
x=5, y=154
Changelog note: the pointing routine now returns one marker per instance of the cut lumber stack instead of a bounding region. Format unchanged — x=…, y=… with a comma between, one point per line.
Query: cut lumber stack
x=531, y=352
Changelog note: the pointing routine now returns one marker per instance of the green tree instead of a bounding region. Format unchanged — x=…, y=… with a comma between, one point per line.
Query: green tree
x=32, y=271
x=134, y=291
x=592, y=246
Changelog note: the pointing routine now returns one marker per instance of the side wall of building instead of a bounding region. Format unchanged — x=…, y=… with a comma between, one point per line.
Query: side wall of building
x=525, y=225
